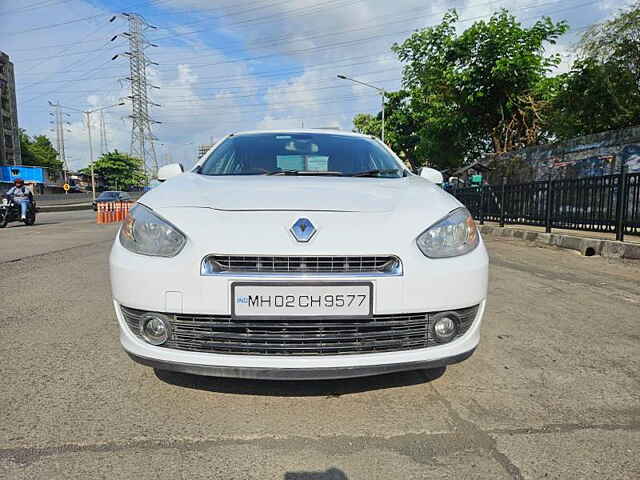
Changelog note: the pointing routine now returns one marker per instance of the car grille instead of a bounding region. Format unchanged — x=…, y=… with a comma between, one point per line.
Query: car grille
x=387, y=264
x=330, y=336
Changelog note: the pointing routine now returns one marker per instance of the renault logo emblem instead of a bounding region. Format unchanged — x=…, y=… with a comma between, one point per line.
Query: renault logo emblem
x=303, y=230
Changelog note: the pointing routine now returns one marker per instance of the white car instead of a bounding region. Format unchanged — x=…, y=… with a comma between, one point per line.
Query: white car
x=298, y=254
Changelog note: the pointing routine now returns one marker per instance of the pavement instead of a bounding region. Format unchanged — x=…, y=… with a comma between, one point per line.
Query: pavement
x=52, y=232
x=552, y=392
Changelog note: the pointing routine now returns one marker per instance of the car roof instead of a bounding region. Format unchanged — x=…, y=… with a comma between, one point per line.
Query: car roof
x=315, y=131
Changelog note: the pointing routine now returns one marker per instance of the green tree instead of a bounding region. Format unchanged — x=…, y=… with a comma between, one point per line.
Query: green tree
x=616, y=41
x=118, y=170
x=39, y=151
x=368, y=124
x=401, y=128
x=593, y=98
x=602, y=90
x=478, y=91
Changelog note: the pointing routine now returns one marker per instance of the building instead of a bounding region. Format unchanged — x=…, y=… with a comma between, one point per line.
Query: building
x=9, y=135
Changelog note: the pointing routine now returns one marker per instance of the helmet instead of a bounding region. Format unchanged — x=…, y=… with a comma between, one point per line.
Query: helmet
x=18, y=181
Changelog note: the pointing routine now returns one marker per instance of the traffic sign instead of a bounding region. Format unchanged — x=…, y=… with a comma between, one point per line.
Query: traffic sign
x=66, y=187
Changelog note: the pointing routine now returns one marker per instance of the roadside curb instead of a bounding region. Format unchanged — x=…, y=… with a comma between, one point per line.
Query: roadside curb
x=586, y=246
x=63, y=208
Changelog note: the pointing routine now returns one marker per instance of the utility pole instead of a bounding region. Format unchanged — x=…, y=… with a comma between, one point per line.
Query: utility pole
x=142, y=139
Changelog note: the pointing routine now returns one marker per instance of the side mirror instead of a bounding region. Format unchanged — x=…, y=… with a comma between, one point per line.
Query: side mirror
x=432, y=175
x=169, y=171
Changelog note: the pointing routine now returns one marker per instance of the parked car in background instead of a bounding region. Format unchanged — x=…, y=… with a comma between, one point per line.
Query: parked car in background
x=111, y=196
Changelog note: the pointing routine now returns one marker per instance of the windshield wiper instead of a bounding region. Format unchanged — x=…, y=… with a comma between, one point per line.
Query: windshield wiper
x=375, y=173
x=303, y=172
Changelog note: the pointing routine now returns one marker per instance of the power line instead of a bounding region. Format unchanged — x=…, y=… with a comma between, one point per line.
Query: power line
x=297, y=117
x=34, y=6
x=238, y=109
x=347, y=42
x=306, y=10
x=128, y=6
x=41, y=80
x=284, y=39
x=359, y=40
x=53, y=25
x=187, y=100
x=263, y=74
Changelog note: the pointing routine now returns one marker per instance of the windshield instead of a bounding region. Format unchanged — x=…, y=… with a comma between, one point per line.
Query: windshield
x=301, y=154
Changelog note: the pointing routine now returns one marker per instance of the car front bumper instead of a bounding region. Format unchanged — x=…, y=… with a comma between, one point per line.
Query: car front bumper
x=175, y=286
x=295, y=367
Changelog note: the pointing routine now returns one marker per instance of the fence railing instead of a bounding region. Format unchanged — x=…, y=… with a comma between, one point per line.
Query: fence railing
x=609, y=203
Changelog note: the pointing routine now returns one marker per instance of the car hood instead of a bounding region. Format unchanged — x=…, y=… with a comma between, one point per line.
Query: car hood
x=298, y=193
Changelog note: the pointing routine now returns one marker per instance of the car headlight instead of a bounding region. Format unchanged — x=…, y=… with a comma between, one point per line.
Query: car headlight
x=455, y=234
x=146, y=233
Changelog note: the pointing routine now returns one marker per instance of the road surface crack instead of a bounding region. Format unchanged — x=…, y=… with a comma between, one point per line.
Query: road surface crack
x=479, y=437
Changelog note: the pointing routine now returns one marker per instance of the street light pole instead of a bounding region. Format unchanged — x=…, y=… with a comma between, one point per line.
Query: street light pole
x=380, y=90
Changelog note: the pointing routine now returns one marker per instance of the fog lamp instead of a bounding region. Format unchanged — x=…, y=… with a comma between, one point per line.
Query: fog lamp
x=445, y=326
x=155, y=328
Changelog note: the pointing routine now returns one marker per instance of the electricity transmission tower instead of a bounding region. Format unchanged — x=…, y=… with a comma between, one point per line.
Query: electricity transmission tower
x=60, y=123
x=142, y=139
x=104, y=147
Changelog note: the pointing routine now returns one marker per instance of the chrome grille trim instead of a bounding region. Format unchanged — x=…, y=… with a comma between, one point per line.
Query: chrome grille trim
x=259, y=265
x=380, y=333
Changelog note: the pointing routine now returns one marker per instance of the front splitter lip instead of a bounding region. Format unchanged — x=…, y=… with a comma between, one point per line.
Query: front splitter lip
x=328, y=373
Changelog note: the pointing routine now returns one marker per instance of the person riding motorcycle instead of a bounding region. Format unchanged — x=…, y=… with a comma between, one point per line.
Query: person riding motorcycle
x=21, y=195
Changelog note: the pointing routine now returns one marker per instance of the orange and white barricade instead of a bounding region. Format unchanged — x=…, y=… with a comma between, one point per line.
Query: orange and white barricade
x=99, y=213
x=111, y=212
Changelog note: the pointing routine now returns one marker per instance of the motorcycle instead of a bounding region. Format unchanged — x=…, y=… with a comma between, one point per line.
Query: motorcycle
x=10, y=212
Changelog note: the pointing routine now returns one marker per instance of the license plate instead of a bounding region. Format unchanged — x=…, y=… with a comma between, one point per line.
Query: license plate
x=301, y=300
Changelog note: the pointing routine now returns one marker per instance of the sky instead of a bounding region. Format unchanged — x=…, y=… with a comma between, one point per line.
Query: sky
x=225, y=66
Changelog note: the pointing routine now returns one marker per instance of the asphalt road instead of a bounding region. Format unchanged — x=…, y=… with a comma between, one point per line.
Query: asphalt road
x=553, y=391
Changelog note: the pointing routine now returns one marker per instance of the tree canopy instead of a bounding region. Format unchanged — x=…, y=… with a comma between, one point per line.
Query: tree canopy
x=602, y=90
x=477, y=91
x=39, y=151
x=489, y=89
x=616, y=41
x=118, y=170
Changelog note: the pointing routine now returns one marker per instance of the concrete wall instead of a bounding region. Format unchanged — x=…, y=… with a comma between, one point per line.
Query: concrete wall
x=591, y=155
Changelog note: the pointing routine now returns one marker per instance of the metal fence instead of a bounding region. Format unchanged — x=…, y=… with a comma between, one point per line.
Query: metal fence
x=609, y=203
